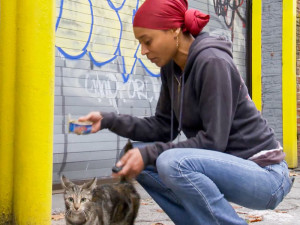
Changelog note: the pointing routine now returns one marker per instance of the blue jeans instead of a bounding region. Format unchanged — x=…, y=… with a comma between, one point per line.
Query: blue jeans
x=195, y=186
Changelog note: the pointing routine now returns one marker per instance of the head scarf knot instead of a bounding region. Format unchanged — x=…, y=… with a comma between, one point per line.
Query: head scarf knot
x=169, y=14
x=195, y=21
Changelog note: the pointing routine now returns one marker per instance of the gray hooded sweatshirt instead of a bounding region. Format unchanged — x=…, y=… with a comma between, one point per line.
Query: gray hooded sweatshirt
x=210, y=104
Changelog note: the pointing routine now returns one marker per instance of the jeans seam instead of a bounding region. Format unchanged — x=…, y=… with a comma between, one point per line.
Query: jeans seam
x=237, y=164
x=205, y=200
x=273, y=195
x=170, y=192
x=219, y=160
x=280, y=188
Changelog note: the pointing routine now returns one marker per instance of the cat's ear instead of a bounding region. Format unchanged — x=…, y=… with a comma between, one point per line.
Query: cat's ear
x=90, y=185
x=66, y=183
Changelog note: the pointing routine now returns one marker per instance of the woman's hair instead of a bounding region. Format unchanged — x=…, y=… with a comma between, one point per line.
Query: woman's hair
x=168, y=14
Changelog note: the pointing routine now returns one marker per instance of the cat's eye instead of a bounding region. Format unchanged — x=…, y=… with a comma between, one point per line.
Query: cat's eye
x=71, y=199
x=83, y=200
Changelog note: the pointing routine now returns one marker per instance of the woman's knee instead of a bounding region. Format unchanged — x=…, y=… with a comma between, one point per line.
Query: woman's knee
x=178, y=160
x=171, y=164
x=166, y=164
x=165, y=161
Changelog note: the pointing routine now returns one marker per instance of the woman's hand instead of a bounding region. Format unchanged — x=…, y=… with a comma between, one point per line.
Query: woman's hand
x=95, y=118
x=132, y=163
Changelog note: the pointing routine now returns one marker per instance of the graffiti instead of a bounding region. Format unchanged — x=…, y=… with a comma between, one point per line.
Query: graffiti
x=101, y=31
x=109, y=88
x=228, y=9
x=84, y=49
x=115, y=47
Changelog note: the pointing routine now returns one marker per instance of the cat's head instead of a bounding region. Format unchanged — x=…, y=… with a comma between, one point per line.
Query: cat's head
x=78, y=199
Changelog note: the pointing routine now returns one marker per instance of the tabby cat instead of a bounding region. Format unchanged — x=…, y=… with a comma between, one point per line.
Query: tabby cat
x=109, y=204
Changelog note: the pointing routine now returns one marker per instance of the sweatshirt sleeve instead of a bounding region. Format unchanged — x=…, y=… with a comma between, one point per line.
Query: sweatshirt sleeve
x=217, y=87
x=148, y=129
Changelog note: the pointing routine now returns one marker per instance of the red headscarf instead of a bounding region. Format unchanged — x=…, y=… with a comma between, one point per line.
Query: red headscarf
x=168, y=14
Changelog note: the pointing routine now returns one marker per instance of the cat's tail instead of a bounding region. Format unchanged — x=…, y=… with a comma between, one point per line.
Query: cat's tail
x=127, y=147
x=116, y=169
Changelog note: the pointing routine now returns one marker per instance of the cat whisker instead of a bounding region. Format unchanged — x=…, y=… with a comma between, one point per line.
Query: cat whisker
x=69, y=213
x=85, y=214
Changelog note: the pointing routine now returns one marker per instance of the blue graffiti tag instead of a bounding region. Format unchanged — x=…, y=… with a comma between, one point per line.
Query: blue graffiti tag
x=90, y=35
x=117, y=52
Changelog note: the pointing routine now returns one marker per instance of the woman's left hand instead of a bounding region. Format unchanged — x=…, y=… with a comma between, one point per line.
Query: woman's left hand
x=132, y=163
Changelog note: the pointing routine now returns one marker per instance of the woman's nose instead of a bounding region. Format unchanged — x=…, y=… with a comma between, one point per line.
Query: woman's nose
x=144, y=50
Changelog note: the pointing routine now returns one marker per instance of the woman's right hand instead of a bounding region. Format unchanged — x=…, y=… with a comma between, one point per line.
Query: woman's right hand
x=95, y=118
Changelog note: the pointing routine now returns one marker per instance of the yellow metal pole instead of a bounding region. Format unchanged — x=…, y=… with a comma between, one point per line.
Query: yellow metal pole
x=256, y=53
x=34, y=112
x=289, y=88
x=7, y=82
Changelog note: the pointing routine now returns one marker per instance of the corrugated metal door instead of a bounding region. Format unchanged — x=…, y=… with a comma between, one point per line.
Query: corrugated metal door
x=99, y=68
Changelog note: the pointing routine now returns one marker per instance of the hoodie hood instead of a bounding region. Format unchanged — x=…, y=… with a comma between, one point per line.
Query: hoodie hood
x=204, y=41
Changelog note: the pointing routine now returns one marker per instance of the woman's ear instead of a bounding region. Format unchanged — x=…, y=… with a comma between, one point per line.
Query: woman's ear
x=177, y=31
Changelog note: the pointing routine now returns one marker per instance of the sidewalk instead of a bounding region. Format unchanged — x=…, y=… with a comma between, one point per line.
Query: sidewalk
x=287, y=213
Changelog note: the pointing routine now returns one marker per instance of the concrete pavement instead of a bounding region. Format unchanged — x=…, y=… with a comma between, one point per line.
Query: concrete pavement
x=287, y=213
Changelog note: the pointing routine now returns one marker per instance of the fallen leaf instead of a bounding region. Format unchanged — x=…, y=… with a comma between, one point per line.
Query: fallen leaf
x=58, y=217
x=292, y=173
x=157, y=224
x=160, y=210
x=241, y=212
x=253, y=219
x=280, y=211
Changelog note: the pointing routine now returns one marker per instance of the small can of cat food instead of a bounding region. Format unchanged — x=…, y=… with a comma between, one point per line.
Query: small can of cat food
x=77, y=127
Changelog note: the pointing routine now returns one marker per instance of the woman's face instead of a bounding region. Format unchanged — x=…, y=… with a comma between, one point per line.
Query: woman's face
x=158, y=45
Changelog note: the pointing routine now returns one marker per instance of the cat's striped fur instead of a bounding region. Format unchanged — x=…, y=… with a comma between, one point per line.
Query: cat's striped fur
x=109, y=204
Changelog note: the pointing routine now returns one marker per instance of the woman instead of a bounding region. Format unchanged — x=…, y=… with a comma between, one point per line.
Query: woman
x=230, y=153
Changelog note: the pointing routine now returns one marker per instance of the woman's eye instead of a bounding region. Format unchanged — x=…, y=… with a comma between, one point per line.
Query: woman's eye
x=83, y=200
x=71, y=199
x=148, y=43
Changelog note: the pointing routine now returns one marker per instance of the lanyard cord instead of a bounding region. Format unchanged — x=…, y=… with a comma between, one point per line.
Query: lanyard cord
x=172, y=105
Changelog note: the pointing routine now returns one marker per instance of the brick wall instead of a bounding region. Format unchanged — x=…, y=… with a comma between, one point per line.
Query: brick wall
x=298, y=76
